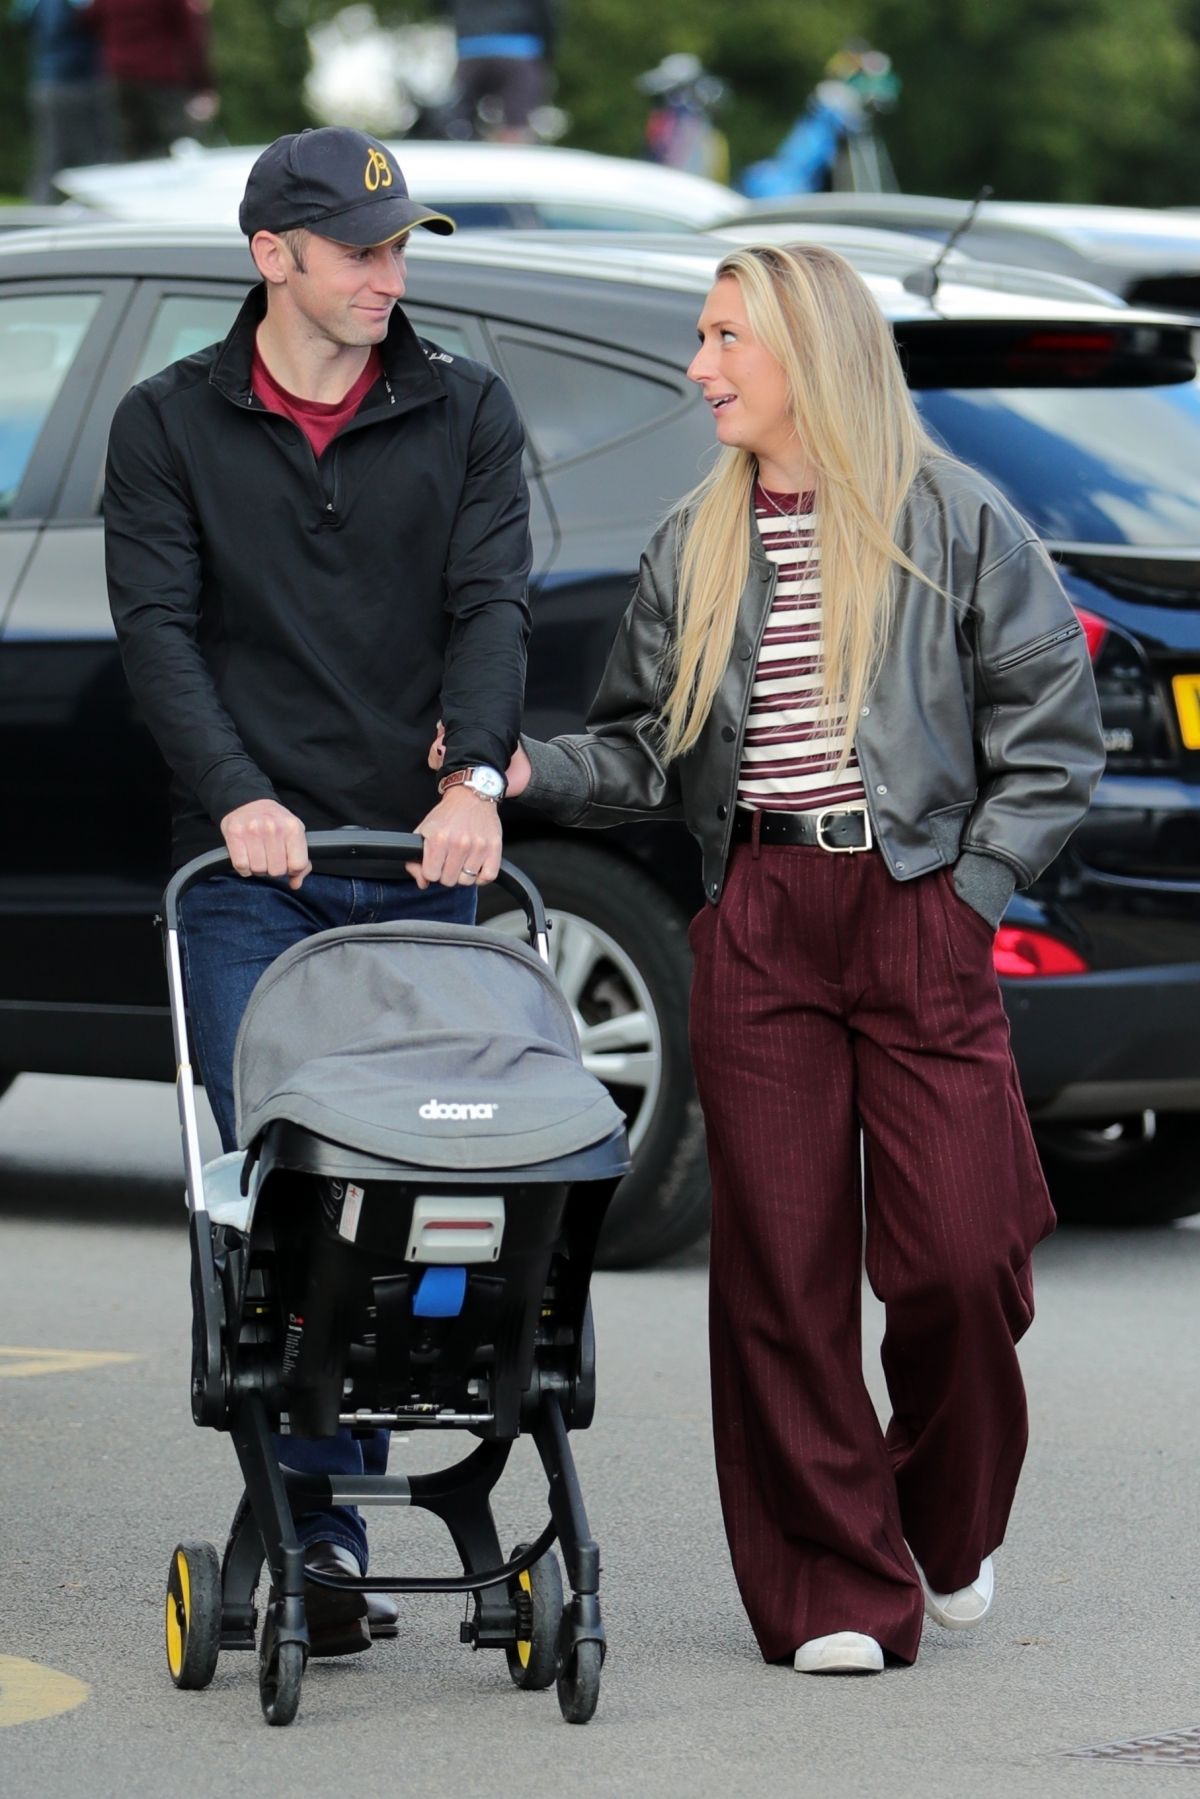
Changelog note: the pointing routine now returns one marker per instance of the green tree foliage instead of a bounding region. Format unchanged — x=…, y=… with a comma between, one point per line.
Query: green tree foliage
x=16, y=159
x=1045, y=99
x=260, y=50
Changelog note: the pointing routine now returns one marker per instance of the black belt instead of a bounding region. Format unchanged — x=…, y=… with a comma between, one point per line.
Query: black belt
x=827, y=829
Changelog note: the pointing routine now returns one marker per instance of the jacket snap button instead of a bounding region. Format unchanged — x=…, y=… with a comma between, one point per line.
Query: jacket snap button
x=866, y=712
x=722, y=811
x=713, y=890
x=744, y=652
x=900, y=867
x=728, y=733
x=881, y=790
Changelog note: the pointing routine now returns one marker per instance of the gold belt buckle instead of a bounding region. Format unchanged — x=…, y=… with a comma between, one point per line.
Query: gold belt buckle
x=842, y=849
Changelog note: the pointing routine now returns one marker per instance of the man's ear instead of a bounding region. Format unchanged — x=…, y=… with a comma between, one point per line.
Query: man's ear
x=272, y=257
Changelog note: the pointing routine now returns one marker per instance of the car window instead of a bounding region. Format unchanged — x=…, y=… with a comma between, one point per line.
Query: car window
x=451, y=338
x=572, y=404
x=487, y=215
x=1084, y=465
x=183, y=324
x=40, y=335
x=582, y=215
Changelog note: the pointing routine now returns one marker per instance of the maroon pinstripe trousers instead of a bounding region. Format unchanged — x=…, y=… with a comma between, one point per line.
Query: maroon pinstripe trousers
x=828, y=996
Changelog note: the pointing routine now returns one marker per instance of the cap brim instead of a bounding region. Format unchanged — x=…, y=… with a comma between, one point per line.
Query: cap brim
x=380, y=221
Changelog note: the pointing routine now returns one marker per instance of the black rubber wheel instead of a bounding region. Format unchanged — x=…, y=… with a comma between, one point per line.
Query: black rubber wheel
x=579, y=1683
x=280, y=1674
x=538, y=1596
x=620, y=948
x=193, y=1614
x=1133, y=1171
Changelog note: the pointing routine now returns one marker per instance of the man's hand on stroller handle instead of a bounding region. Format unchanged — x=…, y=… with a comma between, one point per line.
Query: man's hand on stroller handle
x=463, y=842
x=264, y=838
x=516, y=776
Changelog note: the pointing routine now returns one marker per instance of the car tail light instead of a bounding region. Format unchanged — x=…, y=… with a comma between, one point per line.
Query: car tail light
x=1022, y=953
x=1095, y=630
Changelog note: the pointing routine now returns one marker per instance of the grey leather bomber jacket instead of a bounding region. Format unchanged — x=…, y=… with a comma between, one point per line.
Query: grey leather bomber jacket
x=980, y=739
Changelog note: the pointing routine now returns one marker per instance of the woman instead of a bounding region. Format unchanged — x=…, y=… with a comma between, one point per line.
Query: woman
x=851, y=667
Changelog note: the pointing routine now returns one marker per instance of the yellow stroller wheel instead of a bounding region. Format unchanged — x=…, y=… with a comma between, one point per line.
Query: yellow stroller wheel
x=193, y=1614
x=538, y=1598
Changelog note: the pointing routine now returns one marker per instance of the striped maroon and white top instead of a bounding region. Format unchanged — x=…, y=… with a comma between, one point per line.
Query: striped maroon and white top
x=791, y=748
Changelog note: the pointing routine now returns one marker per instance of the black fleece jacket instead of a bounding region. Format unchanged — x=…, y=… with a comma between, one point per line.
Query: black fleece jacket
x=294, y=628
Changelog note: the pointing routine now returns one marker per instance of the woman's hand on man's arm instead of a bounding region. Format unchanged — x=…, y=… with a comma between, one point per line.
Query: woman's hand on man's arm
x=516, y=775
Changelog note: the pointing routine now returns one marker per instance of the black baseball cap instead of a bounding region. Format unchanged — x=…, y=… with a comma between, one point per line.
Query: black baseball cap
x=337, y=182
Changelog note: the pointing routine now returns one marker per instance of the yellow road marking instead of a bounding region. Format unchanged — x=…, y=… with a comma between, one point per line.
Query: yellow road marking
x=16, y=1363
x=29, y=1692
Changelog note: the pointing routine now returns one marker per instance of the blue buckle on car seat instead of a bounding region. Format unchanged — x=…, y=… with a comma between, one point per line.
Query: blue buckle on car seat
x=441, y=1293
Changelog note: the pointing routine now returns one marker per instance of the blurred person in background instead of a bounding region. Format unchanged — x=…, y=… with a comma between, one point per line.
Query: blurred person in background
x=156, y=53
x=680, y=131
x=70, y=102
x=503, y=75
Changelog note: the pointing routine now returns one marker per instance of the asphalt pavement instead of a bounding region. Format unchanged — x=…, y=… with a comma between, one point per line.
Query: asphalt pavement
x=1092, y=1642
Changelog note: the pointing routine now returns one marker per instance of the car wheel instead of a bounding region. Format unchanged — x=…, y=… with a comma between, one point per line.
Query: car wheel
x=619, y=949
x=1133, y=1171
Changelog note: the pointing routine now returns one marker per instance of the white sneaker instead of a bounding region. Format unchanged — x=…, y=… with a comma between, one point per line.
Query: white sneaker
x=845, y=1652
x=965, y=1608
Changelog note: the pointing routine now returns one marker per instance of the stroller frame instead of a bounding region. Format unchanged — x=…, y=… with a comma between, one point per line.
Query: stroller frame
x=517, y=1601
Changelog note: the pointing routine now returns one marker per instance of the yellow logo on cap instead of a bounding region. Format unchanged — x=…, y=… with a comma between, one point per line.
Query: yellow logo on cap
x=378, y=172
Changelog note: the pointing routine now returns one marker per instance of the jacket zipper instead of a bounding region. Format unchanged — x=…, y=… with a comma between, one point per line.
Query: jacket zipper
x=1034, y=649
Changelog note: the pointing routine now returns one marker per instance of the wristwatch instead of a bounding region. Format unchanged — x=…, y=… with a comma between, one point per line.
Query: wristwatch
x=488, y=783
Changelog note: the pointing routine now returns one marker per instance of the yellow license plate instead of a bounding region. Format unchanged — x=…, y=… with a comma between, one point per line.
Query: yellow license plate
x=1187, y=704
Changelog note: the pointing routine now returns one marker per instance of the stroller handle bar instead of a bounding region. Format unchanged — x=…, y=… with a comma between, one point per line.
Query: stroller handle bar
x=373, y=854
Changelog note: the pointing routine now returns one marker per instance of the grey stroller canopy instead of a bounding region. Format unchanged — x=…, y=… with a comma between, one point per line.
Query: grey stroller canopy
x=439, y=1045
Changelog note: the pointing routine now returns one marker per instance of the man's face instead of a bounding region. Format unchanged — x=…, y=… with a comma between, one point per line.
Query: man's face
x=345, y=292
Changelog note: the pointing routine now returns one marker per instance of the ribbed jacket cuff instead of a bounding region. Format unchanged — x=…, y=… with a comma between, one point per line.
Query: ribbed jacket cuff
x=558, y=785
x=985, y=884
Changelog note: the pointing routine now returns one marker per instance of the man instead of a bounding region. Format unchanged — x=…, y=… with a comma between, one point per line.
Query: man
x=503, y=73
x=317, y=542
x=156, y=53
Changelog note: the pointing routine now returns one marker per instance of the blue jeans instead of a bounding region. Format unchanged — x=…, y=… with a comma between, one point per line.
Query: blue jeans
x=231, y=929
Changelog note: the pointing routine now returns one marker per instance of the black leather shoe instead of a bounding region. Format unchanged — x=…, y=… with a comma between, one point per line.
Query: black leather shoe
x=337, y=1620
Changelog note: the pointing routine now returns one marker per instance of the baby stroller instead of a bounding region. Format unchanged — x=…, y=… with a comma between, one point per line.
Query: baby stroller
x=407, y=1241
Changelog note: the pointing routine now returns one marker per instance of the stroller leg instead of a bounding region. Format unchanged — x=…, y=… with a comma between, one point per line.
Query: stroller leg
x=283, y=1650
x=581, y=1620
x=240, y=1570
x=459, y=1496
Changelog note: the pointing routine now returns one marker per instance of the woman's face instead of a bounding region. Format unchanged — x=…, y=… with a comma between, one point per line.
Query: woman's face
x=744, y=386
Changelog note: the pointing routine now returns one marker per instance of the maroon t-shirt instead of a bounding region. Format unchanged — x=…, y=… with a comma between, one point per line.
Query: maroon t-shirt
x=319, y=421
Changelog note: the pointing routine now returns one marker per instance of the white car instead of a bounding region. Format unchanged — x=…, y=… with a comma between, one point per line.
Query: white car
x=490, y=185
x=1148, y=257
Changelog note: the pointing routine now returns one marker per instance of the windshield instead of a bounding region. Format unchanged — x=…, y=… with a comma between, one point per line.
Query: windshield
x=1105, y=465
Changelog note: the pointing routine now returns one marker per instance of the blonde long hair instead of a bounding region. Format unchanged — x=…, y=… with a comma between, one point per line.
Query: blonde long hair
x=857, y=425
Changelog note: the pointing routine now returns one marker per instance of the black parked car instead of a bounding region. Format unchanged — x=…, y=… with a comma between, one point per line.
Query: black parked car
x=1087, y=414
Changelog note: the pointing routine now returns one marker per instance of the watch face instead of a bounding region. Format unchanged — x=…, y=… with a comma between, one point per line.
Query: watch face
x=486, y=781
